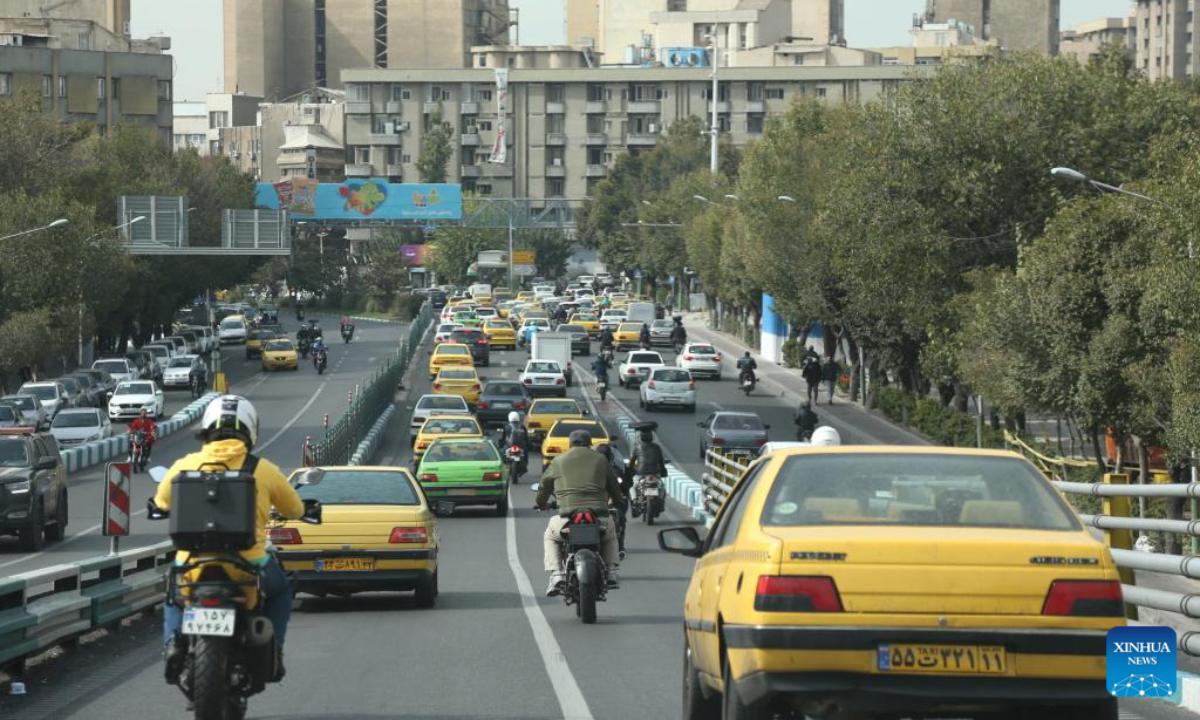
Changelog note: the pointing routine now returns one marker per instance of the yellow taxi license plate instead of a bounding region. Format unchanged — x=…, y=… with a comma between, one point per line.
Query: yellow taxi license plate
x=971, y=659
x=345, y=564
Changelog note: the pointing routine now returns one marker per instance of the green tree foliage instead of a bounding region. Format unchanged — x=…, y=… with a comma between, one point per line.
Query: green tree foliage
x=553, y=250
x=437, y=148
x=454, y=249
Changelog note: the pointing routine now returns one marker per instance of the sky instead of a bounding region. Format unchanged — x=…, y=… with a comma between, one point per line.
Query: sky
x=195, y=29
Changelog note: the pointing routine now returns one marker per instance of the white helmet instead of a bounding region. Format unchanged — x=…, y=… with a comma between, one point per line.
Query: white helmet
x=230, y=417
x=826, y=436
x=514, y=417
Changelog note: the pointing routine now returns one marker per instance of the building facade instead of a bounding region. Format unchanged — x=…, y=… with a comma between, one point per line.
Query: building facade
x=1165, y=39
x=104, y=88
x=278, y=48
x=566, y=127
x=1012, y=24
x=112, y=15
x=1089, y=39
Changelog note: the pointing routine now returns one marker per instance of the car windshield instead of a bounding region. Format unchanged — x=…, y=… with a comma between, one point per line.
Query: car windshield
x=452, y=350
x=448, y=426
x=135, y=389
x=8, y=413
x=555, y=407
x=914, y=489
x=702, y=350
x=504, y=389
x=456, y=375
x=467, y=335
x=482, y=451
x=232, y=324
x=645, y=359
x=70, y=384
x=12, y=453
x=584, y=318
x=279, y=345
x=181, y=362
x=116, y=367
x=446, y=327
x=738, y=422
x=544, y=366
x=670, y=375
x=564, y=429
x=157, y=350
x=572, y=328
x=361, y=487
x=41, y=392
x=24, y=403
x=442, y=402
x=76, y=420
x=661, y=324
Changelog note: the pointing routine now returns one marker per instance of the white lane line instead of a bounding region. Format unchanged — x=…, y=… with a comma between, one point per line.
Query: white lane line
x=587, y=395
x=263, y=446
x=570, y=697
x=717, y=405
x=69, y=540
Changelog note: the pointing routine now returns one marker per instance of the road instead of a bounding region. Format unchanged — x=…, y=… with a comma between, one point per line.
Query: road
x=493, y=647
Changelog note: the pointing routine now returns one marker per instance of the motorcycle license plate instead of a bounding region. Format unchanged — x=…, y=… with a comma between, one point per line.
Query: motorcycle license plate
x=650, y=492
x=209, y=621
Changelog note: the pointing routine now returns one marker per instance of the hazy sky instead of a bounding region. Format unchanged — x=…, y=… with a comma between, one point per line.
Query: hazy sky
x=195, y=29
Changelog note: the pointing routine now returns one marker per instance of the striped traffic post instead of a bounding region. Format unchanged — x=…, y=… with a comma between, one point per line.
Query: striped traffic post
x=116, y=502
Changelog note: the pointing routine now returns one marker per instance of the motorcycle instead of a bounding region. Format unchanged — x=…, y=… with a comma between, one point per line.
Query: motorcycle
x=804, y=434
x=618, y=519
x=137, y=451
x=747, y=381
x=347, y=333
x=602, y=387
x=320, y=361
x=198, y=386
x=648, y=499
x=514, y=460
x=584, y=572
x=299, y=316
x=678, y=347
x=608, y=353
x=303, y=345
x=230, y=649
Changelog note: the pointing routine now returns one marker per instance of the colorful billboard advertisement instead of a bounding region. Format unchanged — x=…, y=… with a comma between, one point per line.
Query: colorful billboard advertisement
x=362, y=199
x=415, y=255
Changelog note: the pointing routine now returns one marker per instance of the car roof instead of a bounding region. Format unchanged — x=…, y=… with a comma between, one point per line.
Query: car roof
x=895, y=450
x=79, y=411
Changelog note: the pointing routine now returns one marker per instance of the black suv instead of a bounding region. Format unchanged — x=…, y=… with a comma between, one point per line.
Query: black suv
x=477, y=341
x=33, y=488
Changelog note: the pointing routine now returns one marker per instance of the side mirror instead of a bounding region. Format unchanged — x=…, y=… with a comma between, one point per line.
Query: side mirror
x=311, y=476
x=312, y=512
x=681, y=541
x=158, y=474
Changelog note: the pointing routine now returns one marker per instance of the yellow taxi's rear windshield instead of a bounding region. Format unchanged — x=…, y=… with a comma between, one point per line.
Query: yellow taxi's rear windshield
x=452, y=350
x=361, y=487
x=448, y=426
x=555, y=407
x=562, y=429
x=903, y=489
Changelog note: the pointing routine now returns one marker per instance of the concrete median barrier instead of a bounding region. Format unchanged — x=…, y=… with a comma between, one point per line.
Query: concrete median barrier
x=100, y=451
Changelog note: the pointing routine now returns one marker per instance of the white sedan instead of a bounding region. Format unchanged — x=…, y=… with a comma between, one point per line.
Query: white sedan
x=442, y=334
x=700, y=359
x=637, y=367
x=131, y=397
x=430, y=405
x=179, y=371
x=544, y=377
x=611, y=319
x=668, y=387
x=80, y=425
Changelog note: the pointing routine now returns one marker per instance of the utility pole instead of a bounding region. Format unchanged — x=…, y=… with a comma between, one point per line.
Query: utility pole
x=714, y=131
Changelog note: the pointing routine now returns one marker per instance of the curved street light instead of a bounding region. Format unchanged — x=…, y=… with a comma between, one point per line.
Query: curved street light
x=55, y=224
x=787, y=199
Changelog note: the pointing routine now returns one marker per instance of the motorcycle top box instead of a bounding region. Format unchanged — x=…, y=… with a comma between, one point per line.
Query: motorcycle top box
x=215, y=509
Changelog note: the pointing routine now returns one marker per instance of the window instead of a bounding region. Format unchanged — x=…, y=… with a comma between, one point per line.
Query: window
x=595, y=92
x=47, y=86
x=218, y=119
x=482, y=157
x=595, y=123
x=164, y=90
x=362, y=155
x=723, y=123
x=743, y=37
x=555, y=93
x=554, y=124
x=555, y=187
x=397, y=93
x=62, y=86
x=482, y=60
x=595, y=156
x=754, y=124
x=798, y=60
x=406, y=159
x=485, y=95
x=358, y=92
x=379, y=124
x=820, y=92
x=555, y=156
x=726, y=528
x=116, y=88
x=101, y=88
x=483, y=189
x=484, y=125
x=774, y=93
x=393, y=155
x=435, y=93
x=214, y=147
x=754, y=92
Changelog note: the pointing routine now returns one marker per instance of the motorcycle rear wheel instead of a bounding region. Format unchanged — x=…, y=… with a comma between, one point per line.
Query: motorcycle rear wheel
x=588, y=567
x=211, y=696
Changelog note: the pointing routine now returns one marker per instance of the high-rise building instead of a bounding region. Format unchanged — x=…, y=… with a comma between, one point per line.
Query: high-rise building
x=1165, y=39
x=112, y=15
x=1088, y=40
x=583, y=22
x=1013, y=24
x=278, y=48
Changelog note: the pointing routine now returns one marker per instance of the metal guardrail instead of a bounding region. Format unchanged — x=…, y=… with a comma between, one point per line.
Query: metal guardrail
x=57, y=605
x=366, y=405
x=720, y=477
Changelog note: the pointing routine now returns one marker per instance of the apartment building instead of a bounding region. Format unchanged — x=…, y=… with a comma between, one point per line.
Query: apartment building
x=1013, y=24
x=112, y=15
x=278, y=48
x=1165, y=39
x=566, y=127
x=1089, y=39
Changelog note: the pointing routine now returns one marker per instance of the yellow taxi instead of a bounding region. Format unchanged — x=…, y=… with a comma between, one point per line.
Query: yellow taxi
x=279, y=353
x=557, y=439
x=627, y=335
x=449, y=355
x=545, y=412
x=899, y=581
x=483, y=300
x=500, y=296
x=533, y=313
x=500, y=334
x=587, y=321
x=526, y=296
x=504, y=308
x=439, y=426
x=255, y=340
x=461, y=381
x=377, y=533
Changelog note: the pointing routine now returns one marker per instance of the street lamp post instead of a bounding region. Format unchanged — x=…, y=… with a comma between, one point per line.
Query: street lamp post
x=57, y=223
x=716, y=125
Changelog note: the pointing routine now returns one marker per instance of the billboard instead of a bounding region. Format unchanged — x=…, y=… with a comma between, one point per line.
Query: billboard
x=362, y=199
x=415, y=255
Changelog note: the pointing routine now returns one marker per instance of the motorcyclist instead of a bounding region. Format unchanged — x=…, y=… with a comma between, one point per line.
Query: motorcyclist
x=314, y=330
x=606, y=339
x=644, y=336
x=229, y=430
x=600, y=367
x=805, y=419
x=622, y=507
x=145, y=423
x=299, y=312
x=679, y=334
x=582, y=480
x=825, y=436
x=302, y=333
x=648, y=456
x=746, y=367
x=199, y=375
x=514, y=433
x=318, y=349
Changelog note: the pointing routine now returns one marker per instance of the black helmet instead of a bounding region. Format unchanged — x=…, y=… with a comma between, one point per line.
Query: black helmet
x=580, y=438
x=646, y=436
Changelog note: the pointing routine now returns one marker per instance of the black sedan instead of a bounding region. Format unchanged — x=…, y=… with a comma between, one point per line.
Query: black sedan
x=581, y=344
x=498, y=399
x=477, y=341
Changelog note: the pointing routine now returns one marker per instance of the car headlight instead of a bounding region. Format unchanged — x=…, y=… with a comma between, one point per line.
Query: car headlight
x=18, y=488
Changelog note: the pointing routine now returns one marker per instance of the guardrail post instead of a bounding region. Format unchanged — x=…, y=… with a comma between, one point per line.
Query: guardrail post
x=1120, y=539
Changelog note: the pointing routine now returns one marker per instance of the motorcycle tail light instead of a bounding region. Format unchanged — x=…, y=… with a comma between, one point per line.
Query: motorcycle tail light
x=483, y=341
x=492, y=477
x=409, y=535
x=284, y=536
x=209, y=602
x=797, y=594
x=514, y=449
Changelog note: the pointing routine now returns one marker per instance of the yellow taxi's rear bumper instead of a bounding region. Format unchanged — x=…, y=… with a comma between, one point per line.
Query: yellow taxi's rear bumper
x=394, y=569
x=843, y=662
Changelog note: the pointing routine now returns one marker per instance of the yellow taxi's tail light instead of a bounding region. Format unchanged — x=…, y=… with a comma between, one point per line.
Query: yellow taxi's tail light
x=285, y=536
x=409, y=536
x=1084, y=598
x=778, y=593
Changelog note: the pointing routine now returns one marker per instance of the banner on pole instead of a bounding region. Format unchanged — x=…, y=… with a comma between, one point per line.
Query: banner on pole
x=500, y=147
x=116, y=499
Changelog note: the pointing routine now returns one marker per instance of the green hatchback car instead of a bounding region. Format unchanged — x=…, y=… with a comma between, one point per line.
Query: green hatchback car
x=463, y=471
x=469, y=318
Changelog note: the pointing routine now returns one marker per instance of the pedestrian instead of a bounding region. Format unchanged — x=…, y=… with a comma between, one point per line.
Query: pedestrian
x=830, y=373
x=812, y=376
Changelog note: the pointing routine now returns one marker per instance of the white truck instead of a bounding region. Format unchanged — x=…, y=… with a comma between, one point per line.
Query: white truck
x=640, y=312
x=554, y=346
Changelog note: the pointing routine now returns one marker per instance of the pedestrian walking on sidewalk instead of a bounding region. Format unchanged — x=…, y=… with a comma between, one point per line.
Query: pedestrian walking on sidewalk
x=811, y=372
x=829, y=373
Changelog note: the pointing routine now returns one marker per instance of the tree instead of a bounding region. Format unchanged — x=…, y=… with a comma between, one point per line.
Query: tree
x=384, y=271
x=454, y=249
x=553, y=250
x=437, y=148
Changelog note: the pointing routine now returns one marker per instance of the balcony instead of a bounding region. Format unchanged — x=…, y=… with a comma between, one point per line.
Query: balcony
x=596, y=171
x=470, y=107
x=555, y=139
x=556, y=108
x=595, y=107
x=431, y=106
x=395, y=170
x=359, y=170
x=643, y=107
x=392, y=139
x=596, y=139
x=555, y=171
x=471, y=171
x=470, y=139
x=756, y=106
x=499, y=170
x=641, y=139
x=358, y=107
x=393, y=107
x=723, y=106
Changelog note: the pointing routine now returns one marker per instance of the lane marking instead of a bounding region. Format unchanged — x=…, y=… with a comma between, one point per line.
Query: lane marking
x=570, y=697
x=263, y=446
